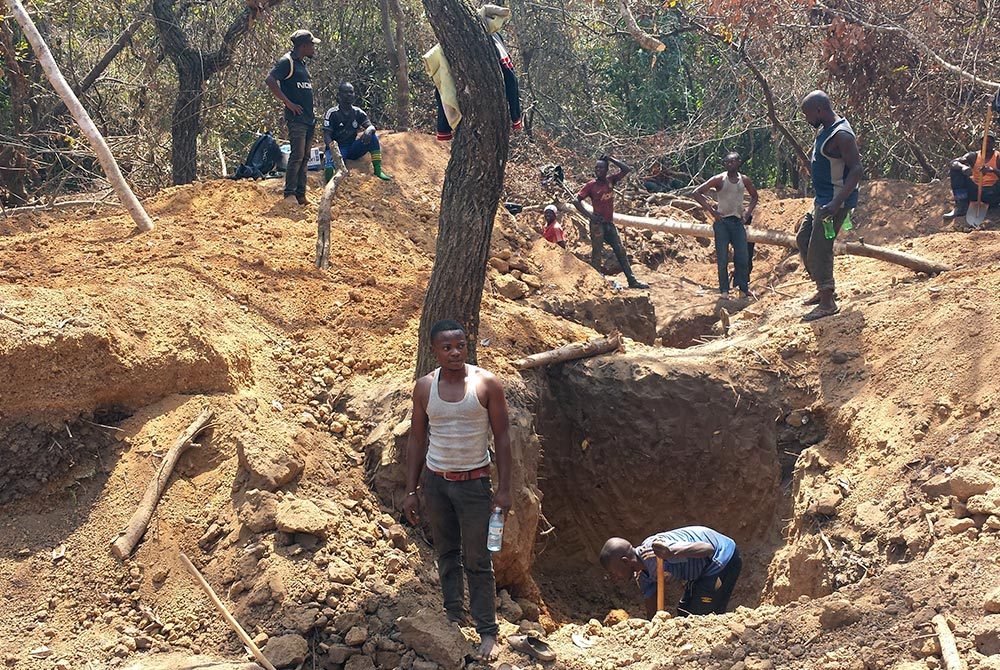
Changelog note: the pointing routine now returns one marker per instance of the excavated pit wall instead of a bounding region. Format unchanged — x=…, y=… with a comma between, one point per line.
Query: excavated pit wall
x=638, y=443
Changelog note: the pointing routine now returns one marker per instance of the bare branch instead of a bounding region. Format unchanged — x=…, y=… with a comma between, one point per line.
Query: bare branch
x=645, y=40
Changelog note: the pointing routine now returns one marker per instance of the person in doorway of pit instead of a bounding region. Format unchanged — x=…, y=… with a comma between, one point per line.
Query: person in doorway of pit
x=731, y=219
x=971, y=171
x=553, y=231
x=289, y=82
x=341, y=127
x=455, y=408
x=706, y=561
x=601, y=192
x=836, y=173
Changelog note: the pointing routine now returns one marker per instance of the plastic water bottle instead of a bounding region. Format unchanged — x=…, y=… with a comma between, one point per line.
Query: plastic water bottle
x=495, y=537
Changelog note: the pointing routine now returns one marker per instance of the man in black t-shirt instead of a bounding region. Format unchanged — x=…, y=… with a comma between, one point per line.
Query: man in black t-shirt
x=341, y=126
x=289, y=82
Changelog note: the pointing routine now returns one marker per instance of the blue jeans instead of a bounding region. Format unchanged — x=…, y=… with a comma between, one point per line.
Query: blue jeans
x=355, y=150
x=731, y=230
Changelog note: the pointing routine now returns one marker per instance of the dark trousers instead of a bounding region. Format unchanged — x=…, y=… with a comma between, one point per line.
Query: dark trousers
x=513, y=93
x=710, y=595
x=459, y=514
x=606, y=232
x=300, y=138
x=356, y=149
x=731, y=231
x=816, y=251
x=964, y=189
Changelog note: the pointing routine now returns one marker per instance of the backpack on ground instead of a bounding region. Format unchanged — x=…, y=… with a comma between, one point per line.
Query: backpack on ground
x=262, y=159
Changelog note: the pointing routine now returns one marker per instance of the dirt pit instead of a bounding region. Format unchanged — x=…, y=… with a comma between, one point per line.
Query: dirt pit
x=641, y=444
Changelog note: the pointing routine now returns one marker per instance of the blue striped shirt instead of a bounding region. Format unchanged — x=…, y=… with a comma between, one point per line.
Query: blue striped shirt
x=684, y=569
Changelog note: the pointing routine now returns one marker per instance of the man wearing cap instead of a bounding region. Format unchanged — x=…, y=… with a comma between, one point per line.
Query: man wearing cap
x=289, y=82
x=553, y=231
x=341, y=126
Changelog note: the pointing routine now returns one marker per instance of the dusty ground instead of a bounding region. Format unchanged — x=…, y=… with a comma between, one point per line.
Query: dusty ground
x=855, y=459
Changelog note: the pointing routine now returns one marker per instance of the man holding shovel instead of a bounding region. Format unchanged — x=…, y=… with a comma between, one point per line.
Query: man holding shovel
x=972, y=172
x=707, y=562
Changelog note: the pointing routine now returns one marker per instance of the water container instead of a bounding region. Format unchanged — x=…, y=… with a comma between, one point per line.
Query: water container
x=494, y=539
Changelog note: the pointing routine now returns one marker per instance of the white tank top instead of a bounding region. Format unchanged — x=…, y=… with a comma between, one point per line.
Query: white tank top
x=730, y=196
x=459, y=431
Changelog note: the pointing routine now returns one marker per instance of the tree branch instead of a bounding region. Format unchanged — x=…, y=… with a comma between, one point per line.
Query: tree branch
x=645, y=40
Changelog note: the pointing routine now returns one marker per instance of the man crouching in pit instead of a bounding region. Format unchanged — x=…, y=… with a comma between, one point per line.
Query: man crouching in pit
x=455, y=408
x=706, y=561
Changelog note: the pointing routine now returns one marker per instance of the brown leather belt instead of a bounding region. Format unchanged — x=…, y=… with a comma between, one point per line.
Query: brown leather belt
x=478, y=473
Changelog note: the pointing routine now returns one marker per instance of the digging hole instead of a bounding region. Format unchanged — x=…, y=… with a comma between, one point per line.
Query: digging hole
x=635, y=446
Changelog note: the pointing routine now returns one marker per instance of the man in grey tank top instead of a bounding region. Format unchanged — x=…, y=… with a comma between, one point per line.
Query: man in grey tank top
x=454, y=410
x=730, y=221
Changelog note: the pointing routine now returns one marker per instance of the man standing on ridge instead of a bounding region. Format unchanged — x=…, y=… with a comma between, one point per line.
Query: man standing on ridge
x=731, y=220
x=836, y=173
x=601, y=192
x=289, y=82
x=341, y=126
x=455, y=408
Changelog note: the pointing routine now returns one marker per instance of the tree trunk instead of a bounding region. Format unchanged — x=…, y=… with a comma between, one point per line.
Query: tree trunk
x=186, y=122
x=90, y=131
x=195, y=67
x=395, y=45
x=473, y=180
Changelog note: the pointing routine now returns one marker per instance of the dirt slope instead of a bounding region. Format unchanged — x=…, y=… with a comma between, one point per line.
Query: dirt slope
x=871, y=438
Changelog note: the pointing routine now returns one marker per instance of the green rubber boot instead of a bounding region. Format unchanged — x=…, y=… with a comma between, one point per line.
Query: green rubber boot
x=377, y=169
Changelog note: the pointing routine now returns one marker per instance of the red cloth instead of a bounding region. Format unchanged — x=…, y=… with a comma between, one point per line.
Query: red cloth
x=602, y=198
x=554, y=232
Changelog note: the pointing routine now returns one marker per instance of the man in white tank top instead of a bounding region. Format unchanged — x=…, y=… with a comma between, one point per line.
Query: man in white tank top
x=730, y=222
x=455, y=408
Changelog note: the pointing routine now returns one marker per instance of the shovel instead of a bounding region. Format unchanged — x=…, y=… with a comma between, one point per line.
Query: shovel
x=978, y=209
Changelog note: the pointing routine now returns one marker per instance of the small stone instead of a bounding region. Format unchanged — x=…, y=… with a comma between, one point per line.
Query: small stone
x=956, y=526
x=398, y=536
x=992, y=602
x=301, y=516
x=340, y=572
x=338, y=654
x=511, y=287
x=356, y=637
x=160, y=575
x=360, y=662
x=286, y=651
x=838, y=612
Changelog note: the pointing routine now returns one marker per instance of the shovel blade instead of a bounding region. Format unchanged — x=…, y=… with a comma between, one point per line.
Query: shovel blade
x=977, y=214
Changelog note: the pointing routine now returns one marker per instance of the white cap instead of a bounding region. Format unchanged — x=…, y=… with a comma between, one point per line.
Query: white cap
x=551, y=208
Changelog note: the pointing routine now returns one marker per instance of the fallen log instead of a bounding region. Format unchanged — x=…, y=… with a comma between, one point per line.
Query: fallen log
x=127, y=540
x=326, y=214
x=571, y=352
x=230, y=619
x=104, y=155
x=949, y=649
x=761, y=236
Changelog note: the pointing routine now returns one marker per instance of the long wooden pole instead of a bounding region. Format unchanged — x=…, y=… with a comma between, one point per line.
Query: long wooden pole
x=326, y=211
x=104, y=155
x=762, y=236
x=233, y=623
x=123, y=547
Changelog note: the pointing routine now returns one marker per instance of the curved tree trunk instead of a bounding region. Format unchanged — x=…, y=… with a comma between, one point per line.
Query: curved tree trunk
x=473, y=180
x=104, y=155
